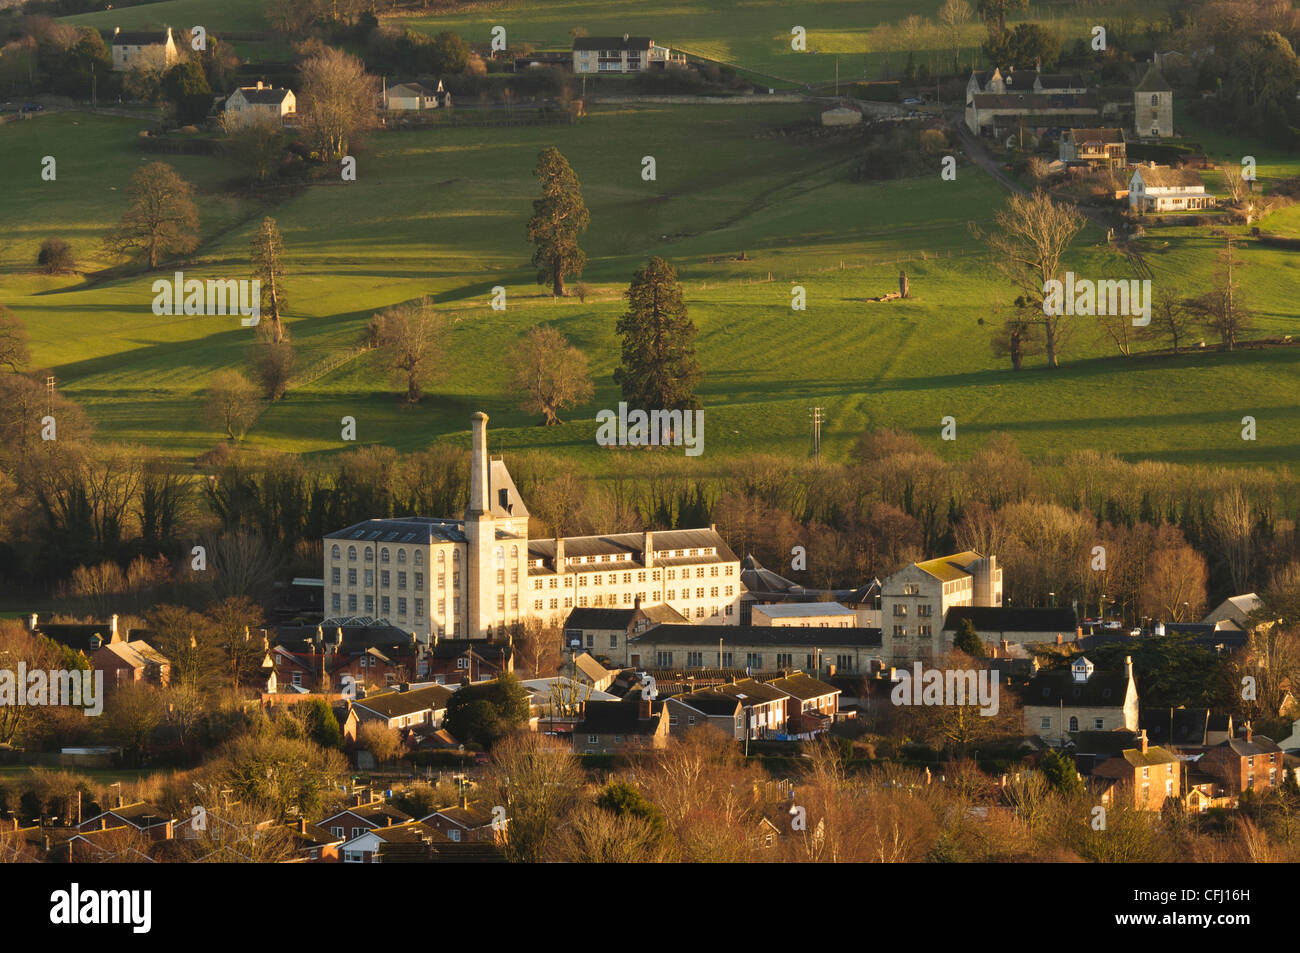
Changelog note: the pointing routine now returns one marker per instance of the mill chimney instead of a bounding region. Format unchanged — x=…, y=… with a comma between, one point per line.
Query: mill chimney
x=478, y=485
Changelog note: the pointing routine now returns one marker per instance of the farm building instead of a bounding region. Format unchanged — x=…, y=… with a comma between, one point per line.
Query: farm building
x=412, y=97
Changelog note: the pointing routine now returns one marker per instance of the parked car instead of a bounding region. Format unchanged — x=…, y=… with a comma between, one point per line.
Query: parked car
x=32, y=107
x=911, y=101
x=1112, y=625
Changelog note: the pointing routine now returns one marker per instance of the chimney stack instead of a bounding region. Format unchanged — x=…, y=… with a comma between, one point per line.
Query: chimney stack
x=112, y=628
x=478, y=484
x=1128, y=667
x=31, y=622
x=302, y=825
x=1250, y=732
x=559, y=554
x=647, y=550
x=1142, y=741
x=644, y=710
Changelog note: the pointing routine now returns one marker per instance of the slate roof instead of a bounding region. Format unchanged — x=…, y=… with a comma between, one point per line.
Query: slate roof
x=1013, y=619
x=1057, y=687
x=138, y=654
x=710, y=702
x=1108, y=136
x=621, y=717
x=1154, y=82
x=421, y=530
x=611, y=43
x=803, y=687
x=1165, y=177
x=265, y=96
x=757, y=635
x=632, y=544
x=1177, y=726
x=748, y=692
x=1061, y=81
x=787, y=610
x=1035, y=102
x=950, y=568
x=1137, y=758
x=397, y=704
x=140, y=38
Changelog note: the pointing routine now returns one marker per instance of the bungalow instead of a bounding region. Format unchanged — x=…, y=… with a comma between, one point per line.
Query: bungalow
x=152, y=822
x=1159, y=188
x=120, y=844
x=404, y=708
x=1057, y=703
x=251, y=102
x=1235, y=610
x=133, y=47
x=127, y=663
x=367, y=846
x=613, y=727
x=414, y=97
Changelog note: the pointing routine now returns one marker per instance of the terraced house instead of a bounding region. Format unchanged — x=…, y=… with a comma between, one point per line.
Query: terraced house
x=480, y=576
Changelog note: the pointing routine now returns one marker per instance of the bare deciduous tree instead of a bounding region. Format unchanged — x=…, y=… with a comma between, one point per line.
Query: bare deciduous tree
x=548, y=373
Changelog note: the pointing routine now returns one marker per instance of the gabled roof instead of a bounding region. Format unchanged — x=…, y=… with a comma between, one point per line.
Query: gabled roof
x=1105, y=136
x=1136, y=758
x=950, y=568
x=138, y=654
x=632, y=544
x=1257, y=745
x=590, y=668
x=803, y=687
x=473, y=815
x=621, y=717
x=1177, y=726
x=375, y=812
x=749, y=692
x=1059, y=687
x=710, y=702
x=1035, y=102
x=1165, y=177
x=409, y=89
x=1061, y=81
x=611, y=619
x=141, y=37
x=397, y=704
x=266, y=96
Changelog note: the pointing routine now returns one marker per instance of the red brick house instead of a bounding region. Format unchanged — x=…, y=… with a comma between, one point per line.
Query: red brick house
x=1249, y=762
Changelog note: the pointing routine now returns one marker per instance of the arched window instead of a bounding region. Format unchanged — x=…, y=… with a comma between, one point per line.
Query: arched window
x=442, y=557
x=383, y=555
x=352, y=554
x=401, y=556
x=419, y=557
x=514, y=553
x=501, y=557
x=335, y=552
x=1155, y=99
x=370, y=554
x=1074, y=723
x=455, y=557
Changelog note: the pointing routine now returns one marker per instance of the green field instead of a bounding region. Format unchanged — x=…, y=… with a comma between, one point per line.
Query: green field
x=755, y=35
x=441, y=212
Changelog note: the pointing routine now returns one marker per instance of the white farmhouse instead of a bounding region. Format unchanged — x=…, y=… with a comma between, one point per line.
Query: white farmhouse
x=148, y=48
x=1160, y=188
x=250, y=102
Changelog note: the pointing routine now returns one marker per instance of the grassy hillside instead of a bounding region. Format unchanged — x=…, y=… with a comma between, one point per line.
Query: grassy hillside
x=442, y=212
x=215, y=15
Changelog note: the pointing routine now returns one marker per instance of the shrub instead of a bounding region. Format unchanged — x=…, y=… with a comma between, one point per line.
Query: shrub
x=56, y=257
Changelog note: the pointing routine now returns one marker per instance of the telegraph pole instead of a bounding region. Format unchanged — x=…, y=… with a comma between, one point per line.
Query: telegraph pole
x=818, y=415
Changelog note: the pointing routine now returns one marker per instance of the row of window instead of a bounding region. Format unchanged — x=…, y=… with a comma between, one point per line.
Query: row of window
x=922, y=631
x=924, y=610
x=598, y=579
x=753, y=660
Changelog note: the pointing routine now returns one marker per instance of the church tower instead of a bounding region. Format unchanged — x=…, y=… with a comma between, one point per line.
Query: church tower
x=1153, y=106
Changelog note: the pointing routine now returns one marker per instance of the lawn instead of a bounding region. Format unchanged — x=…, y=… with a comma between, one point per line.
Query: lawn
x=441, y=212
